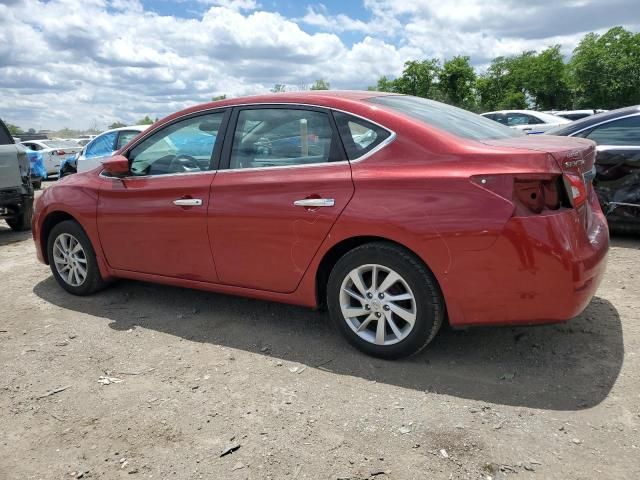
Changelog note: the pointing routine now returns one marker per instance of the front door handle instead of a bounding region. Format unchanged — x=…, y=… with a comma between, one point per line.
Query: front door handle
x=188, y=202
x=315, y=202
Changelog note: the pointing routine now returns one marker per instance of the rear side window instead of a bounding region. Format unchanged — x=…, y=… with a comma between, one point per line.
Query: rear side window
x=358, y=136
x=278, y=137
x=625, y=131
x=453, y=120
x=5, y=137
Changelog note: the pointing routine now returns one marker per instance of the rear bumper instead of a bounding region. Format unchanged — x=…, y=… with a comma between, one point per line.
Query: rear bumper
x=541, y=269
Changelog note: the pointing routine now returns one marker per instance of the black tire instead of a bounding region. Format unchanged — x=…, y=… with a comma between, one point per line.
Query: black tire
x=37, y=185
x=429, y=304
x=93, y=281
x=23, y=221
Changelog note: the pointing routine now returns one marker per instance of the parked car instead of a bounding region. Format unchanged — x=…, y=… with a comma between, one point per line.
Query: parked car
x=16, y=190
x=99, y=148
x=53, y=152
x=617, y=181
x=575, y=114
x=527, y=121
x=393, y=211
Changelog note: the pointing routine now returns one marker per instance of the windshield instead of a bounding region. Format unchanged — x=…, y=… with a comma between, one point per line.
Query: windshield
x=456, y=121
x=60, y=144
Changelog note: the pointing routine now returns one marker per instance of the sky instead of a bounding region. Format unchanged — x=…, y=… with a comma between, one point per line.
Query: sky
x=89, y=63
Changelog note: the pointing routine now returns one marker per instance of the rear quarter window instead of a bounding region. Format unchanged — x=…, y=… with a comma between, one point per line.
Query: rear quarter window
x=453, y=120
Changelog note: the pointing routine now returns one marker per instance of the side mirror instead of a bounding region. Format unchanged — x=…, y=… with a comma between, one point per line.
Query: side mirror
x=117, y=165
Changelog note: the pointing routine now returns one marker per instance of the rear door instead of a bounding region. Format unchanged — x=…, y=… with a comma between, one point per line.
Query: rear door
x=285, y=182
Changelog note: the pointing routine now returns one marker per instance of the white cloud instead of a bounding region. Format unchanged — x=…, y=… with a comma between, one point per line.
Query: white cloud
x=78, y=62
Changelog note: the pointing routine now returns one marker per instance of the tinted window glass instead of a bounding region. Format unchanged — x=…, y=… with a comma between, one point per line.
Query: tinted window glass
x=101, y=146
x=625, y=131
x=445, y=117
x=184, y=146
x=5, y=137
x=358, y=135
x=125, y=137
x=275, y=137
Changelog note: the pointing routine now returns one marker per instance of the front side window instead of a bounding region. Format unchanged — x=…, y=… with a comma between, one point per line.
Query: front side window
x=452, y=120
x=271, y=137
x=625, y=131
x=358, y=135
x=184, y=146
x=101, y=146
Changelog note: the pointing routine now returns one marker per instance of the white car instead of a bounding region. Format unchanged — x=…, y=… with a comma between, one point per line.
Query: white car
x=53, y=152
x=105, y=145
x=527, y=121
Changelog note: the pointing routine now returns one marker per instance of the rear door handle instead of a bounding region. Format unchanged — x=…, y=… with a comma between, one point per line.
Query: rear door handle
x=315, y=202
x=188, y=202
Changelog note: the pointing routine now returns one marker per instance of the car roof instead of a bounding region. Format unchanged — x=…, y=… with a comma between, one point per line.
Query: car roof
x=542, y=115
x=592, y=120
x=320, y=98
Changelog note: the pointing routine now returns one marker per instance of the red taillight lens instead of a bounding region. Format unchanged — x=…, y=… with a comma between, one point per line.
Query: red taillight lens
x=576, y=189
x=59, y=152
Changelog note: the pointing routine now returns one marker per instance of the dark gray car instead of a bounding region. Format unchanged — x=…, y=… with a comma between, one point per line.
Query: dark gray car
x=617, y=181
x=16, y=190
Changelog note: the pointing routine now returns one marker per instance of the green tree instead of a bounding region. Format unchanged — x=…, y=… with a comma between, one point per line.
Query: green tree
x=14, y=129
x=419, y=78
x=219, y=97
x=321, y=84
x=117, y=125
x=278, y=88
x=384, y=85
x=145, y=121
x=605, y=70
x=545, y=80
x=457, y=82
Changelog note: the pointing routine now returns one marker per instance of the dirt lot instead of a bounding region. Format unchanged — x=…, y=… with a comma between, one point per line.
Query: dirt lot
x=202, y=372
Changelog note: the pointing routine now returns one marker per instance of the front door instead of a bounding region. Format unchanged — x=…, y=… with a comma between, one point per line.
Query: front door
x=154, y=221
x=285, y=183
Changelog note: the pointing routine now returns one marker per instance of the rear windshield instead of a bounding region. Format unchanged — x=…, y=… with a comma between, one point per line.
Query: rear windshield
x=60, y=143
x=456, y=121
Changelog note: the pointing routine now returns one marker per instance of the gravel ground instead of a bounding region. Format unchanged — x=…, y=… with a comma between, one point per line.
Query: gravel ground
x=188, y=375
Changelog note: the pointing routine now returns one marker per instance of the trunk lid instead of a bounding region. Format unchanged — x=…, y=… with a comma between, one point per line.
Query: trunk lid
x=574, y=156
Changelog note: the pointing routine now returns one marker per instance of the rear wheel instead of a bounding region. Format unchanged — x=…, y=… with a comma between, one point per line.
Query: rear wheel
x=23, y=220
x=384, y=300
x=73, y=260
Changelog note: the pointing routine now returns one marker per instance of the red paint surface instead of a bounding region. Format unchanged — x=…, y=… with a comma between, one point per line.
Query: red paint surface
x=493, y=265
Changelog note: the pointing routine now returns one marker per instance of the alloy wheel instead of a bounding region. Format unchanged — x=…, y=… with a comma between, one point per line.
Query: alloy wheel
x=378, y=304
x=70, y=259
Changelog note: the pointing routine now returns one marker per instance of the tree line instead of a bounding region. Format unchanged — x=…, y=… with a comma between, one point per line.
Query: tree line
x=603, y=72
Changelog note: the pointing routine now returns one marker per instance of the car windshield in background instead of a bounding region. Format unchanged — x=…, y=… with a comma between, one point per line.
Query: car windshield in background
x=60, y=144
x=453, y=120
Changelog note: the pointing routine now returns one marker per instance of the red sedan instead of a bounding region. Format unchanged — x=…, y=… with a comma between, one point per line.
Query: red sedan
x=394, y=212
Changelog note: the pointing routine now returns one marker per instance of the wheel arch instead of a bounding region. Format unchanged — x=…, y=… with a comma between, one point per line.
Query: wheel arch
x=51, y=220
x=333, y=254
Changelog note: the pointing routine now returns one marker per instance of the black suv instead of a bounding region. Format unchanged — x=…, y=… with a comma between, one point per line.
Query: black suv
x=16, y=190
x=617, y=180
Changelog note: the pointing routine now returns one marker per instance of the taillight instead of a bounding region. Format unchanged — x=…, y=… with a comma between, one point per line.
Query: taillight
x=576, y=189
x=58, y=152
x=536, y=194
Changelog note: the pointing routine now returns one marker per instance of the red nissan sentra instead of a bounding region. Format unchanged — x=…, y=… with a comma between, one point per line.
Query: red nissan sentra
x=392, y=211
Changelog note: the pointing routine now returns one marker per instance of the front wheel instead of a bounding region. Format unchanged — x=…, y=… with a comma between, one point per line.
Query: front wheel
x=22, y=221
x=384, y=300
x=73, y=260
